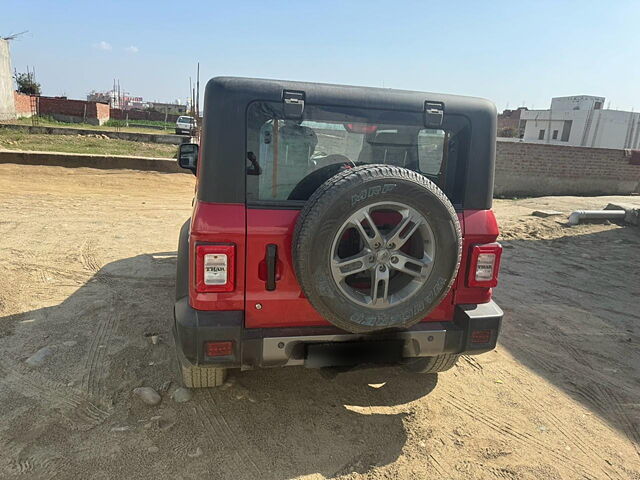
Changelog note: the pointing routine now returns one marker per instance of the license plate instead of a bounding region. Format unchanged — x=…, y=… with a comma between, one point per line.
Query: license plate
x=338, y=354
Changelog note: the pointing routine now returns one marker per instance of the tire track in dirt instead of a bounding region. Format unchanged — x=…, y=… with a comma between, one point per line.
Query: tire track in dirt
x=468, y=468
x=88, y=257
x=600, y=396
x=96, y=364
x=588, y=449
x=547, y=365
x=504, y=428
x=81, y=413
x=472, y=362
x=71, y=274
x=611, y=405
x=216, y=436
x=440, y=470
x=239, y=448
x=18, y=462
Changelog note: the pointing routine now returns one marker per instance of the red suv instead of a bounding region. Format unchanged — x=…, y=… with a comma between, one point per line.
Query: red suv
x=336, y=226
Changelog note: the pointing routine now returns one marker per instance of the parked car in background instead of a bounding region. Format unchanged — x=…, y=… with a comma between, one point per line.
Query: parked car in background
x=186, y=125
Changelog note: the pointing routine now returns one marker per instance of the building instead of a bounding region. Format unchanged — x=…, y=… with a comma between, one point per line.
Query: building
x=7, y=105
x=509, y=124
x=582, y=121
x=169, y=108
x=117, y=99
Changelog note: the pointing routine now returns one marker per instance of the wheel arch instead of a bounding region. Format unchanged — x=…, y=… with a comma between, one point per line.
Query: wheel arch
x=182, y=261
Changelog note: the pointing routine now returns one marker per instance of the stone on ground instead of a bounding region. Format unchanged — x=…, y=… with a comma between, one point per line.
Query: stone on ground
x=181, y=395
x=545, y=213
x=148, y=395
x=39, y=357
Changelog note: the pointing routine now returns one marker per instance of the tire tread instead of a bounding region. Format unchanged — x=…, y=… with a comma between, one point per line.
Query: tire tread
x=203, y=377
x=437, y=364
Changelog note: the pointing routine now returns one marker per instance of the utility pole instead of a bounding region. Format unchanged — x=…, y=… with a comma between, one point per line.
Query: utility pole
x=198, y=92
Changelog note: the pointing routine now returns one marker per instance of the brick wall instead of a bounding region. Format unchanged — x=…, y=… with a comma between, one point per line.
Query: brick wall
x=533, y=169
x=23, y=104
x=62, y=109
x=102, y=111
x=119, y=114
x=68, y=110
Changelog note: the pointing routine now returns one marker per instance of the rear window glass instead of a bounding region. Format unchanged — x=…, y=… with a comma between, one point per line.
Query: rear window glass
x=287, y=159
x=185, y=120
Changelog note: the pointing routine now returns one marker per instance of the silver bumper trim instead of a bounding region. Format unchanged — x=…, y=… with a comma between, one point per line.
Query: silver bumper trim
x=279, y=351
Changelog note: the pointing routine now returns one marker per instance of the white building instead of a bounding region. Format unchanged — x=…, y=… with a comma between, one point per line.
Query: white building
x=581, y=121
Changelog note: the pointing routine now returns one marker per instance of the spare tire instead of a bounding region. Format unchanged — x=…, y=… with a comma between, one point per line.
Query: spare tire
x=376, y=247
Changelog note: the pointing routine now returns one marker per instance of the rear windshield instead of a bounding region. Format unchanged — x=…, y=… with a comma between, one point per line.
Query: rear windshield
x=288, y=159
x=185, y=119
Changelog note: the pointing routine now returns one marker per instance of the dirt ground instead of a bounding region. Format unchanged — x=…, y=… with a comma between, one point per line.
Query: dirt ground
x=87, y=262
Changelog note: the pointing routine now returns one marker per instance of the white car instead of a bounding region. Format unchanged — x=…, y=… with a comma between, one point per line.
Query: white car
x=186, y=125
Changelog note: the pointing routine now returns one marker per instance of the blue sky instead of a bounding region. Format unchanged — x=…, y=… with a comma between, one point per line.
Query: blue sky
x=509, y=52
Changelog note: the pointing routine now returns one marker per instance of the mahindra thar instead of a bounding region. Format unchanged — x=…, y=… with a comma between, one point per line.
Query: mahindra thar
x=336, y=226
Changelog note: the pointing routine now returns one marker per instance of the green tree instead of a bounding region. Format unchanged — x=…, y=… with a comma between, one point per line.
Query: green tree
x=27, y=83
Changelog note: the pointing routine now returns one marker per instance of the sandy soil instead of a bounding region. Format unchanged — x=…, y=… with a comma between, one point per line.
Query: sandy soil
x=86, y=272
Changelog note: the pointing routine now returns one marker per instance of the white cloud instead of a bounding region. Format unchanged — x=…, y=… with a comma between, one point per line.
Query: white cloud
x=102, y=45
x=131, y=49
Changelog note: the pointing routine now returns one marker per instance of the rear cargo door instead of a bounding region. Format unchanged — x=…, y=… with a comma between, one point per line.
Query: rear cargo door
x=292, y=148
x=273, y=296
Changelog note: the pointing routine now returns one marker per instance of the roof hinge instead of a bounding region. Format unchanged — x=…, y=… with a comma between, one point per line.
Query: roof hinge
x=433, y=113
x=293, y=103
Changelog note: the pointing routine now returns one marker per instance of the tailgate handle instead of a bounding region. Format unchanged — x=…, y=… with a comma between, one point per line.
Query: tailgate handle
x=272, y=255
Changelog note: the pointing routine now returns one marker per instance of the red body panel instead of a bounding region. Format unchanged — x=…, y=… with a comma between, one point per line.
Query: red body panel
x=218, y=223
x=479, y=226
x=286, y=305
x=251, y=230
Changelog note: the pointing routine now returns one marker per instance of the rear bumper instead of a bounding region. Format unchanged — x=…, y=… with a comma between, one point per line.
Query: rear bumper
x=275, y=347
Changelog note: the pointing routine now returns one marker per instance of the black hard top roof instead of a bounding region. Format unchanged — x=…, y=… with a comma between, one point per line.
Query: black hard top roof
x=349, y=95
x=224, y=131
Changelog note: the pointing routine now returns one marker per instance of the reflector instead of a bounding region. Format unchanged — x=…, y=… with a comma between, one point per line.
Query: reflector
x=480, y=336
x=218, y=349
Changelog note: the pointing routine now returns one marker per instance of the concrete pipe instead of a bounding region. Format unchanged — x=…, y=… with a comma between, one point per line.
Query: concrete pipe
x=578, y=215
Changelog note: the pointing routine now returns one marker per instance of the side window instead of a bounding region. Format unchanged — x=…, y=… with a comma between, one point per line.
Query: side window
x=566, y=130
x=287, y=149
x=430, y=151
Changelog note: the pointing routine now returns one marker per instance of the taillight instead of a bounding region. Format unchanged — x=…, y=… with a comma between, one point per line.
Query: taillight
x=218, y=349
x=360, y=128
x=485, y=263
x=215, y=268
